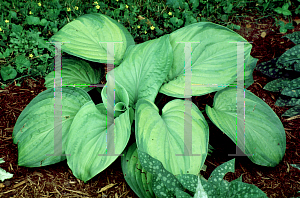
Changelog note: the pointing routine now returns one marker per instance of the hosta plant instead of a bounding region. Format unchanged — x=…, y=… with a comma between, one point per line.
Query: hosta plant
x=142, y=71
x=286, y=71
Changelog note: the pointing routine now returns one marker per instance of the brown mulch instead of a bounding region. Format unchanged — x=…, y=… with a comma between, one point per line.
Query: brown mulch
x=58, y=181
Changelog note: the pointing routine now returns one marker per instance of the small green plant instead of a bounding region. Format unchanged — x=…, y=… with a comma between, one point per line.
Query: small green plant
x=279, y=6
x=24, y=31
x=284, y=27
x=282, y=8
x=286, y=71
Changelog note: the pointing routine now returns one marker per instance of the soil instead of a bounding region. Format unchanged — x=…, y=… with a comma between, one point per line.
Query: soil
x=58, y=181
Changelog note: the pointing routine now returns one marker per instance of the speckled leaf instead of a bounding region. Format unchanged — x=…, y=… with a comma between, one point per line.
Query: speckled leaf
x=216, y=181
x=297, y=66
x=281, y=102
x=188, y=181
x=292, y=111
x=215, y=186
x=75, y=72
x=181, y=194
x=200, y=192
x=294, y=37
x=139, y=180
x=240, y=189
x=292, y=89
x=270, y=69
x=291, y=92
x=85, y=34
x=276, y=85
x=160, y=189
x=164, y=182
x=288, y=58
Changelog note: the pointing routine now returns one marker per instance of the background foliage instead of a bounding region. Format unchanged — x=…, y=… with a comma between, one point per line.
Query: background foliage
x=26, y=26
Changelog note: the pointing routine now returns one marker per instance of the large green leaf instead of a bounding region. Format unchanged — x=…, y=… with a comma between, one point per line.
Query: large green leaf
x=144, y=69
x=264, y=133
x=214, y=59
x=34, y=129
x=75, y=72
x=250, y=64
x=139, y=180
x=162, y=136
x=121, y=94
x=87, y=140
x=85, y=33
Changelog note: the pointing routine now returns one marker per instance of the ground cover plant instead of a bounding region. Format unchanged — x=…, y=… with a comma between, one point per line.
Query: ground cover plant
x=26, y=25
x=140, y=20
x=154, y=66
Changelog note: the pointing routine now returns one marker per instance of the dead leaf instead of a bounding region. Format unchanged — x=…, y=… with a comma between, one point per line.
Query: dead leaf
x=248, y=26
x=148, y=22
x=297, y=21
x=285, y=22
x=140, y=17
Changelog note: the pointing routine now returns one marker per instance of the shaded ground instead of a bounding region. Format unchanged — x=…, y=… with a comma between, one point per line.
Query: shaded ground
x=58, y=181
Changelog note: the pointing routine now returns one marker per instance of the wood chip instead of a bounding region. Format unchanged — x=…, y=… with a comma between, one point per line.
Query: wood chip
x=292, y=118
x=19, y=184
x=38, y=174
x=106, y=187
x=75, y=191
